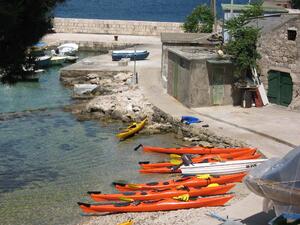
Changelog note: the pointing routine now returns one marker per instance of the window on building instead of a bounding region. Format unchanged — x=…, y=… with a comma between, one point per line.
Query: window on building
x=292, y=34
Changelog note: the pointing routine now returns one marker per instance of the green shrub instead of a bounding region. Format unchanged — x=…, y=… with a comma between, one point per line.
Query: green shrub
x=200, y=20
x=242, y=45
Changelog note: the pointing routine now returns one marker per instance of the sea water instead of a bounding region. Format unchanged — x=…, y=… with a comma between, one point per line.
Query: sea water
x=144, y=10
x=49, y=159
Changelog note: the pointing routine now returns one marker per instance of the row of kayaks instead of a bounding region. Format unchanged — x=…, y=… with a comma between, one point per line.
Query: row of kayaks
x=214, y=161
x=184, y=193
x=217, y=172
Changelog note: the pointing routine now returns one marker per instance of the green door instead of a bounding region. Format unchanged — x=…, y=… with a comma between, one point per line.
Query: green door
x=218, y=85
x=280, y=89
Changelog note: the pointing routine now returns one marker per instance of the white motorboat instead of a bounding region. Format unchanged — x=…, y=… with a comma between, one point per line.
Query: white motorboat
x=58, y=60
x=43, y=61
x=221, y=168
x=68, y=49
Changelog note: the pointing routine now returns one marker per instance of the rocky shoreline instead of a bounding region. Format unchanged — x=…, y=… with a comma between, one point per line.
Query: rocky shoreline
x=115, y=96
x=118, y=97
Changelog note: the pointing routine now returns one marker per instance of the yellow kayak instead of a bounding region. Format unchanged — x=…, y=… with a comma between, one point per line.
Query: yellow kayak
x=132, y=129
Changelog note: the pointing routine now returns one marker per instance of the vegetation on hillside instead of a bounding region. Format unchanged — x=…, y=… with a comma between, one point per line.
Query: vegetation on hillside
x=22, y=24
x=242, y=44
x=200, y=20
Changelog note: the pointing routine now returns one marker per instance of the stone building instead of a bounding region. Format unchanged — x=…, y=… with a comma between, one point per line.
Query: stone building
x=234, y=10
x=282, y=3
x=279, y=66
x=177, y=41
x=199, y=77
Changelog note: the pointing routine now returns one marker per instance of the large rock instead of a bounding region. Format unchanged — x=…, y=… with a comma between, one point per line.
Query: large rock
x=80, y=89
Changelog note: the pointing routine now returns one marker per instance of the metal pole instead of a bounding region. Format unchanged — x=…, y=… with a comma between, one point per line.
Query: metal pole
x=134, y=67
x=231, y=8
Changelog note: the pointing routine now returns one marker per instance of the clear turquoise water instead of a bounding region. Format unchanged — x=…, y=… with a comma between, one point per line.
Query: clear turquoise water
x=49, y=159
x=47, y=93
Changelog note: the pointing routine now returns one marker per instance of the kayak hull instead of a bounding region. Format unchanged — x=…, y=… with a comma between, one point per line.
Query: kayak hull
x=156, y=205
x=220, y=168
x=131, y=130
x=193, y=150
x=191, y=181
x=209, y=158
x=170, y=169
x=167, y=193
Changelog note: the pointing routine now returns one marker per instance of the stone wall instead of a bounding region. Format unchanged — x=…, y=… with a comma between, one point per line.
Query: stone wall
x=118, y=27
x=280, y=54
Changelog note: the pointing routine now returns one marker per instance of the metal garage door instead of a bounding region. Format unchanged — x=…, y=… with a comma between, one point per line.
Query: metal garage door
x=280, y=90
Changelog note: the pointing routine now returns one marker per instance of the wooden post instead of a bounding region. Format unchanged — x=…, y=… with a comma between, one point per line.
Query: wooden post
x=214, y=12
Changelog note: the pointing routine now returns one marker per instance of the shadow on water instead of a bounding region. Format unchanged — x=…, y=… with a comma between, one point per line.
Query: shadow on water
x=15, y=172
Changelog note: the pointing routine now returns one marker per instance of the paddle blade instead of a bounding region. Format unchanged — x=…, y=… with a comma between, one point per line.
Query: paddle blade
x=129, y=222
x=213, y=185
x=133, y=186
x=175, y=156
x=175, y=162
x=137, y=147
x=126, y=199
x=184, y=197
x=203, y=176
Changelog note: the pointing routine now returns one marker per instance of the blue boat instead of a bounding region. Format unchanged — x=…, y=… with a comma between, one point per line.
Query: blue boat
x=131, y=54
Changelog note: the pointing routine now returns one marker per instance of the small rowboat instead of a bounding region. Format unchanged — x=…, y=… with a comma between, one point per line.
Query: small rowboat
x=68, y=49
x=155, y=205
x=131, y=130
x=131, y=54
x=220, y=168
x=215, y=189
x=57, y=60
x=191, y=181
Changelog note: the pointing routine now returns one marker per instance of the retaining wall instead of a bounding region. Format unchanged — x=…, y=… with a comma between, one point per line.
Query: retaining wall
x=117, y=27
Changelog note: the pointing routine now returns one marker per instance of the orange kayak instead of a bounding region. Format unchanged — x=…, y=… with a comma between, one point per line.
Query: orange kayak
x=159, y=194
x=155, y=205
x=204, y=158
x=193, y=150
x=191, y=181
x=170, y=169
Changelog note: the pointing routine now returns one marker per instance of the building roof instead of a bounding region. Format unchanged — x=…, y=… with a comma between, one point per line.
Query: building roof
x=185, y=38
x=266, y=7
x=268, y=24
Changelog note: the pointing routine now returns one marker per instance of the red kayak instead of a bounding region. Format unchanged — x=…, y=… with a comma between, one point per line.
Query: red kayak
x=170, y=169
x=204, y=158
x=191, y=181
x=193, y=150
x=155, y=205
x=164, y=193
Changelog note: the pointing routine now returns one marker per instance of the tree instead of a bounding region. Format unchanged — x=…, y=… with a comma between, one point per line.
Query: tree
x=22, y=24
x=200, y=20
x=296, y=4
x=242, y=45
